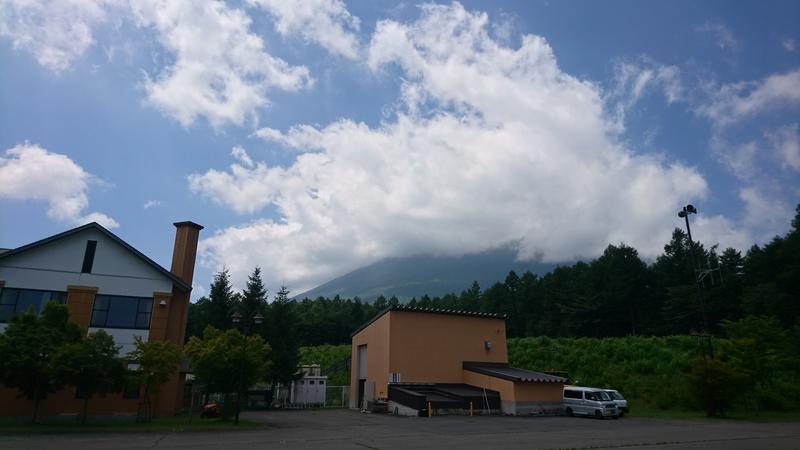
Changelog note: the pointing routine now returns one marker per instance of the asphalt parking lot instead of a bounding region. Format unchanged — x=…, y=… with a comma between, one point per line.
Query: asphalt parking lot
x=343, y=429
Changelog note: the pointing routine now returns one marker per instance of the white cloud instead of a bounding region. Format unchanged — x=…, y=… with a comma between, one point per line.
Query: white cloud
x=739, y=159
x=246, y=188
x=55, y=32
x=198, y=291
x=241, y=155
x=221, y=72
x=151, y=204
x=737, y=101
x=723, y=36
x=786, y=142
x=326, y=22
x=765, y=212
x=497, y=145
x=220, y=69
x=731, y=107
x=31, y=172
x=788, y=45
x=633, y=79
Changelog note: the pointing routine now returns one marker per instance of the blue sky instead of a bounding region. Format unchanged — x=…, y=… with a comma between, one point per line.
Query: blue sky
x=317, y=136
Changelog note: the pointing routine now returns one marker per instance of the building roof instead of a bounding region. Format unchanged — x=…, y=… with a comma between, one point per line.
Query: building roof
x=449, y=312
x=182, y=285
x=504, y=371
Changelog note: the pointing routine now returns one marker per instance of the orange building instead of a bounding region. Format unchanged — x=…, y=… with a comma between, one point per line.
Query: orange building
x=108, y=285
x=416, y=356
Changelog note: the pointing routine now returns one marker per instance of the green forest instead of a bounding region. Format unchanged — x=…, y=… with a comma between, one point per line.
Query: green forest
x=615, y=321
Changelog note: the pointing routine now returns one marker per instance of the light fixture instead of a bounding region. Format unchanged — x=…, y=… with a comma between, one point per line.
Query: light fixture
x=162, y=303
x=236, y=317
x=258, y=319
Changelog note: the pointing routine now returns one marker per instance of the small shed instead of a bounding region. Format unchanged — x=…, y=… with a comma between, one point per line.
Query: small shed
x=309, y=390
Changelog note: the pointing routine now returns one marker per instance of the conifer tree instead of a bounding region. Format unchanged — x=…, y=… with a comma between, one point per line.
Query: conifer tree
x=254, y=297
x=221, y=298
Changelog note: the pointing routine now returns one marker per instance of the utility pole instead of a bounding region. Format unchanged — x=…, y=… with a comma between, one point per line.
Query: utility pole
x=706, y=333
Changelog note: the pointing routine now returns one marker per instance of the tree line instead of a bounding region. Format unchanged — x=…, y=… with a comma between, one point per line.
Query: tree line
x=617, y=294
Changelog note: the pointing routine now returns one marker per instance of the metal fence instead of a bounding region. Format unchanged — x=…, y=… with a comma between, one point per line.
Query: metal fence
x=337, y=396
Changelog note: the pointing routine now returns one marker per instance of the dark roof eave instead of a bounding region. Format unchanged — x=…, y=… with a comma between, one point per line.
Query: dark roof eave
x=406, y=308
x=180, y=284
x=486, y=369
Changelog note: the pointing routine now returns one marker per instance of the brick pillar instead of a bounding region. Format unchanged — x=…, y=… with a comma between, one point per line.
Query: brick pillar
x=160, y=316
x=79, y=301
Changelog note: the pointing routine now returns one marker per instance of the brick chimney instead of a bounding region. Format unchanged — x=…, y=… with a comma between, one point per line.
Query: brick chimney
x=183, y=255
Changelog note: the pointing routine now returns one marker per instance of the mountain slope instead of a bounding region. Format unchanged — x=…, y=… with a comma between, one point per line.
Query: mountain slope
x=419, y=275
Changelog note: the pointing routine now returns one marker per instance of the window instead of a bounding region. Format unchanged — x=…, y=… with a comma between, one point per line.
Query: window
x=115, y=311
x=572, y=394
x=310, y=381
x=14, y=301
x=88, y=257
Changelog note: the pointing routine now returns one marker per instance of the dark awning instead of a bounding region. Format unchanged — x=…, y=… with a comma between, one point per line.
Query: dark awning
x=504, y=371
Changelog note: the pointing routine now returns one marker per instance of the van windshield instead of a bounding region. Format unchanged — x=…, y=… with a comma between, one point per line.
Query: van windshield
x=616, y=395
x=597, y=396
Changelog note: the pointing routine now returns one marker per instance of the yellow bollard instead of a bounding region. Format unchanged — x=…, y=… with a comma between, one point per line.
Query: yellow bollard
x=430, y=410
x=470, y=409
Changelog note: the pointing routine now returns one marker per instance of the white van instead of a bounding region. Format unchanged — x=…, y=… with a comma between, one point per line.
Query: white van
x=622, y=404
x=589, y=401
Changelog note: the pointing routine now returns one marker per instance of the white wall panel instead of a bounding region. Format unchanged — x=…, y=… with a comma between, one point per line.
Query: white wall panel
x=123, y=337
x=57, y=264
x=58, y=281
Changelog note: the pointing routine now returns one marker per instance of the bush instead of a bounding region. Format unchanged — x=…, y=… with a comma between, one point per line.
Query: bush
x=716, y=385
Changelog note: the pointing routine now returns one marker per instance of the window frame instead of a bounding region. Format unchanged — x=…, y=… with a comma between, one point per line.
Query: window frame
x=55, y=296
x=141, y=308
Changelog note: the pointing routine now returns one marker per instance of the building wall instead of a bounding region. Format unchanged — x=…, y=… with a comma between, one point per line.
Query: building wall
x=376, y=337
x=433, y=347
x=504, y=387
x=64, y=403
x=538, y=392
x=57, y=266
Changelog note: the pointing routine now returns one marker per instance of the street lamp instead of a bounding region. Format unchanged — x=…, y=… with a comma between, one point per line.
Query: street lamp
x=684, y=214
x=236, y=318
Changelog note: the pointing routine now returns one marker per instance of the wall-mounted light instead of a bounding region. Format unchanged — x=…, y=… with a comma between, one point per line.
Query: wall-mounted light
x=162, y=303
x=487, y=345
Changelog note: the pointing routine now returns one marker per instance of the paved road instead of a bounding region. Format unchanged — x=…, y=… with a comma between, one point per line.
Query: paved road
x=341, y=429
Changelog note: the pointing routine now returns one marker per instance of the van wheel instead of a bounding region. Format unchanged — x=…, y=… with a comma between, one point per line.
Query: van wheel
x=598, y=414
x=568, y=412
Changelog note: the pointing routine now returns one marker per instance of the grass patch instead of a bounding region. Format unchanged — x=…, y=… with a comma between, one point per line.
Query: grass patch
x=684, y=414
x=161, y=424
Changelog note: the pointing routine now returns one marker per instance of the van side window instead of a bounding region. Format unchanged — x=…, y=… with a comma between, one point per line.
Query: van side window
x=591, y=396
x=572, y=394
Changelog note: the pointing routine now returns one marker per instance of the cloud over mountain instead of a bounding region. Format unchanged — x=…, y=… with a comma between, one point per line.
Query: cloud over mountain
x=492, y=145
